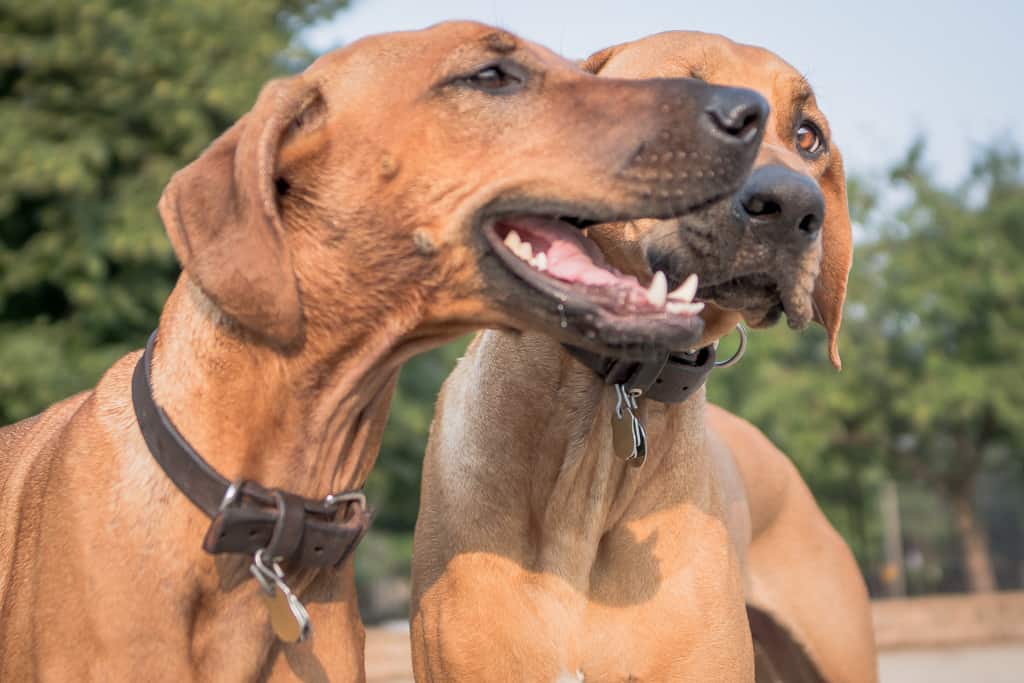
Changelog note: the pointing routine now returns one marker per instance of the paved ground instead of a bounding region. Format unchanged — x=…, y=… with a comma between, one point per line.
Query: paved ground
x=387, y=655
x=981, y=664
x=387, y=661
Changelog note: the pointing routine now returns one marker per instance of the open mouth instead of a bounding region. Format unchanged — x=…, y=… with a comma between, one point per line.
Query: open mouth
x=556, y=259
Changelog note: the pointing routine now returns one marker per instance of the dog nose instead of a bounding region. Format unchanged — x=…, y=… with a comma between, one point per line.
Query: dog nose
x=736, y=113
x=783, y=204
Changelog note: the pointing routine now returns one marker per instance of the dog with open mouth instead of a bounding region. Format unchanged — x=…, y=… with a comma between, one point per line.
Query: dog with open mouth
x=362, y=211
x=588, y=519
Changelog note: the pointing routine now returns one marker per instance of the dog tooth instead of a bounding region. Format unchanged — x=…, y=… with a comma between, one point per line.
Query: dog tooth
x=512, y=241
x=658, y=291
x=540, y=261
x=680, y=308
x=686, y=291
x=525, y=251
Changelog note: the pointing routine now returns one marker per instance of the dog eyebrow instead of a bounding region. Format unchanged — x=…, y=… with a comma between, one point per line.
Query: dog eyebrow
x=802, y=91
x=500, y=42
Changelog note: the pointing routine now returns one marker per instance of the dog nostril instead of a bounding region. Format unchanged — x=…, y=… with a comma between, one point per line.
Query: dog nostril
x=742, y=125
x=760, y=207
x=738, y=113
x=747, y=128
x=810, y=224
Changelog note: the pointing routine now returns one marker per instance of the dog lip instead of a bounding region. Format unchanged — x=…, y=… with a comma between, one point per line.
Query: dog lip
x=603, y=286
x=713, y=291
x=588, y=315
x=756, y=295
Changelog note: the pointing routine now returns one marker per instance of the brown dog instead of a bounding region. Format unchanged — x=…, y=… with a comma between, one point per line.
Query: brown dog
x=540, y=555
x=354, y=217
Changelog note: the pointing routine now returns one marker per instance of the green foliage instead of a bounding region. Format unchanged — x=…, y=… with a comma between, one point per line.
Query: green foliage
x=100, y=102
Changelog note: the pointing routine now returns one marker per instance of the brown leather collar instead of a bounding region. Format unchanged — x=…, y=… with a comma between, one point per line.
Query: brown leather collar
x=671, y=378
x=247, y=517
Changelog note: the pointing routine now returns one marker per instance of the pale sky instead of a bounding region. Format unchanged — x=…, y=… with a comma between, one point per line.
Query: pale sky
x=883, y=71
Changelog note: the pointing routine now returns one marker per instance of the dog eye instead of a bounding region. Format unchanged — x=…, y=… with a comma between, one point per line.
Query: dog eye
x=810, y=140
x=494, y=78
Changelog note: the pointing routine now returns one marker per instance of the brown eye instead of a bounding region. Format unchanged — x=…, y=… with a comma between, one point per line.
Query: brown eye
x=495, y=79
x=809, y=140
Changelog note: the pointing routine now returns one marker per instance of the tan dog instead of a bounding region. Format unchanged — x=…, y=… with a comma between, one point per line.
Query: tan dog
x=541, y=556
x=354, y=217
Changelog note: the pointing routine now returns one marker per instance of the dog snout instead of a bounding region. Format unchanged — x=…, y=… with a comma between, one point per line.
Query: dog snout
x=736, y=115
x=782, y=205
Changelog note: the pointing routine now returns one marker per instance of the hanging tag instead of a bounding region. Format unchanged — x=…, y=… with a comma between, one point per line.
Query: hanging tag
x=629, y=438
x=288, y=617
x=639, y=439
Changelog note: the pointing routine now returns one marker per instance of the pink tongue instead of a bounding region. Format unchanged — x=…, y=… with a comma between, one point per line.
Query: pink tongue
x=566, y=261
x=563, y=246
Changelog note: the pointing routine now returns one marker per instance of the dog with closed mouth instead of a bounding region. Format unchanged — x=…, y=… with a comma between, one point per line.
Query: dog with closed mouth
x=543, y=553
x=358, y=214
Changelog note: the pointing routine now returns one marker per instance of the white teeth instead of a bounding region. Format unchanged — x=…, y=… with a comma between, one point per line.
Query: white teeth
x=686, y=291
x=679, y=308
x=512, y=241
x=658, y=291
x=524, y=250
x=517, y=246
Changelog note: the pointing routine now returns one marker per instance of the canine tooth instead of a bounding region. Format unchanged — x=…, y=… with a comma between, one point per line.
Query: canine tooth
x=512, y=241
x=525, y=251
x=680, y=308
x=686, y=291
x=658, y=291
x=540, y=261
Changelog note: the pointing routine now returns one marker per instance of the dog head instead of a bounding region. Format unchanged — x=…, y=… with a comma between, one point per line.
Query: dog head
x=437, y=181
x=783, y=243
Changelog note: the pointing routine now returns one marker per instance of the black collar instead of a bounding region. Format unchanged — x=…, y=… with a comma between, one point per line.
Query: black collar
x=672, y=378
x=247, y=517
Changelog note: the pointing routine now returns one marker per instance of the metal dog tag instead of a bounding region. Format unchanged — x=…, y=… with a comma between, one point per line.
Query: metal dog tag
x=288, y=616
x=629, y=438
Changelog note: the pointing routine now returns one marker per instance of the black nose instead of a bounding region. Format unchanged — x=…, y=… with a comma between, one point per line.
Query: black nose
x=736, y=113
x=783, y=205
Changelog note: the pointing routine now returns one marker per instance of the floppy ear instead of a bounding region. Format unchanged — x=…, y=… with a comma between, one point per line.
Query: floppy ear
x=595, y=62
x=836, y=256
x=222, y=215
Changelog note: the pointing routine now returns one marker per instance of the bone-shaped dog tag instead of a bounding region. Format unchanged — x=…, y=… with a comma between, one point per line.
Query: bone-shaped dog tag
x=629, y=438
x=288, y=617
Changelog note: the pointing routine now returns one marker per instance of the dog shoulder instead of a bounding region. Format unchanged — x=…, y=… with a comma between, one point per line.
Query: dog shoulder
x=769, y=476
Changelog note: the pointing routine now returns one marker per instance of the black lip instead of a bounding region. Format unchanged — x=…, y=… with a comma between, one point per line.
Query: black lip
x=735, y=294
x=552, y=287
x=585, y=316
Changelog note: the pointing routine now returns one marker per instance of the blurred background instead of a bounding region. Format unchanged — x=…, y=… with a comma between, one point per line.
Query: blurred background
x=915, y=450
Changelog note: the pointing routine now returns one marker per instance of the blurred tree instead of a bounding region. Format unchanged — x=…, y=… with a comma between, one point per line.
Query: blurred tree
x=950, y=314
x=100, y=102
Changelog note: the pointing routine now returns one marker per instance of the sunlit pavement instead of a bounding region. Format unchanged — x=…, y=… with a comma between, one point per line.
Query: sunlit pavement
x=977, y=664
x=387, y=661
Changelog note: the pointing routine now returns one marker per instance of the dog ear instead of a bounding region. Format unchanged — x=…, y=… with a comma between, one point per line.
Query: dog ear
x=595, y=62
x=223, y=217
x=836, y=256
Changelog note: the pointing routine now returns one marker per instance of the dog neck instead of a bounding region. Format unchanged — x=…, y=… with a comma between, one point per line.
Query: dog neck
x=310, y=422
x=561, y=484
